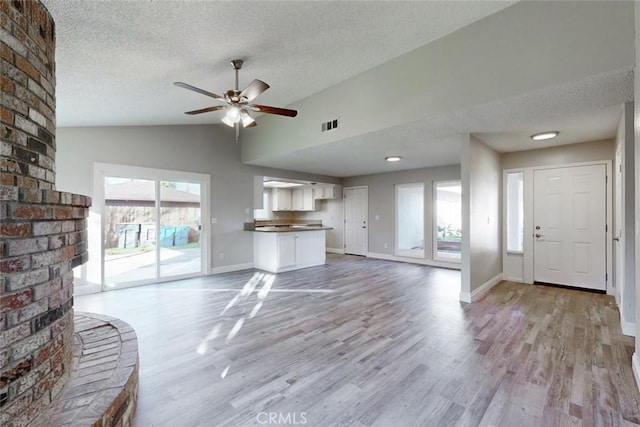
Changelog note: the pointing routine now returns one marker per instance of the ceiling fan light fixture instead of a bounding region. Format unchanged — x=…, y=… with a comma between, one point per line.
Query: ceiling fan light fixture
x=227, y=122
x=545, y=135
x=233, y=114
x=246, y=118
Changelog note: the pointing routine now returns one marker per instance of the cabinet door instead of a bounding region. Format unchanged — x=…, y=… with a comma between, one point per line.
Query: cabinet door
x=297, y=203
x=287, y=250
x=281, y=199
x=308, y=202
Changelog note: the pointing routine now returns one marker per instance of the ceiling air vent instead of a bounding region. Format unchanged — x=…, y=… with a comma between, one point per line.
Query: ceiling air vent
x=330, y=125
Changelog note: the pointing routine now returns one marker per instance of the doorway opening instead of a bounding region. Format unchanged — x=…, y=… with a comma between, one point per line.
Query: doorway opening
x=410, y=220
x=448, y=221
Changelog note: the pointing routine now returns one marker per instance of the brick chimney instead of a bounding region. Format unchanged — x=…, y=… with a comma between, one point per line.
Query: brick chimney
x=42, y=231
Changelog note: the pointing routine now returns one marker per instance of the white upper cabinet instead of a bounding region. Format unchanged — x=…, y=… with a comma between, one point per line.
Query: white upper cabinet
x=281, y=199
x=328, y=192
x=302, y=199
x=297, y=199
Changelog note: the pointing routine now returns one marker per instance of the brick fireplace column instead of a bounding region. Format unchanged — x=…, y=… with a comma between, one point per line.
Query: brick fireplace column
x=42, y=231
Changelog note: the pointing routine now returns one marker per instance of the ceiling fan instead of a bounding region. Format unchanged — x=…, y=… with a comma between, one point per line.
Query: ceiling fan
x=238, y=103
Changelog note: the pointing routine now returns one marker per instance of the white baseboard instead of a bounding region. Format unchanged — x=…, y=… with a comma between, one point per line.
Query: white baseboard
x=465, y=297
x=85, y=288
x=335, y=251
x=628, y=328
x=514, y=279
x=477, y=293
x=231, y=268
x=635, y=362
x=421, y=261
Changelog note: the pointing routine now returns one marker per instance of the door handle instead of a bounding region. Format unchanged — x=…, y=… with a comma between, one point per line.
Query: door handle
x=364, y=226
x=538, y=235
x=617, y=239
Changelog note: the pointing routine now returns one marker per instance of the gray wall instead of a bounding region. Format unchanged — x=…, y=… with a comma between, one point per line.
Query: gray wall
x=331, y=213
x=381, y=192
x=209, y=149
x=496, y=57
x=481, y=216
x=563, y=154
x=636, y=356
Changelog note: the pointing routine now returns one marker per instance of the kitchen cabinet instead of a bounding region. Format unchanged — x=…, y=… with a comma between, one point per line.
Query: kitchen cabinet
x=285, y=251
x=302, y=199
x=281, y=199
x=297, y=199
x=325, y=192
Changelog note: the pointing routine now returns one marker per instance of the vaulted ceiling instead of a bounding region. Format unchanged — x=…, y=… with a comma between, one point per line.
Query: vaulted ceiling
x=372, y=64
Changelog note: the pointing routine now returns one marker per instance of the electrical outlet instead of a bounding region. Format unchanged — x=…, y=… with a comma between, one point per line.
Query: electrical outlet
x=214, y=220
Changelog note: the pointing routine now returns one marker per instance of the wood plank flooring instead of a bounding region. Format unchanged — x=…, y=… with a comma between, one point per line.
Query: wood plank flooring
x=362, y=342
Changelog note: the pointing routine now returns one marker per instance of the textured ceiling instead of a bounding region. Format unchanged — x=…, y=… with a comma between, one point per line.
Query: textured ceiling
x=116, y=62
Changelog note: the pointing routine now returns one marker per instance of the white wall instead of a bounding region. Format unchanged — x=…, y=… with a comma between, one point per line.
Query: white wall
x=482, y=226
x=207, y=149
x=627, y=293
x=381, y=195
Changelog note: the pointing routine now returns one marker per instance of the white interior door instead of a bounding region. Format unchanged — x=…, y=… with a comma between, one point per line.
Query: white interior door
x=570, y=226
x=356, y=228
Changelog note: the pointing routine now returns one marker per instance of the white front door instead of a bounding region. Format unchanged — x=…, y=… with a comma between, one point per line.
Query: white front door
x=356, y=228
x=569, y=226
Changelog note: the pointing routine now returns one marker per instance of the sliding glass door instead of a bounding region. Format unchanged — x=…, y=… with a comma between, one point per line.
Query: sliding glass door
x=180, y=250
x=129, y=234
x=152, y=228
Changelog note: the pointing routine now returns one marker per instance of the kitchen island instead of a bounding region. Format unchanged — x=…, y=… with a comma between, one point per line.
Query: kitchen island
x=291, y=247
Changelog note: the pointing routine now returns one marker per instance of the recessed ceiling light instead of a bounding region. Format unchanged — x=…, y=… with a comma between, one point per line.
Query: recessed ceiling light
x=544, y=135
x=393, y=158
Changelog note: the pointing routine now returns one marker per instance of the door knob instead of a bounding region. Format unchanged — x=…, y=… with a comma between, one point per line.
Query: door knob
x=537, y=227
x=538, y=235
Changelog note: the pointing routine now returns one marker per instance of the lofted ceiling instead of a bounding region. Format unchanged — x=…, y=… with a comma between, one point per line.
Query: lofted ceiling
x=116, y=62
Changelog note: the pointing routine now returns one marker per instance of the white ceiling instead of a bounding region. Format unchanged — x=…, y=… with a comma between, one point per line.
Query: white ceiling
x=116, y=62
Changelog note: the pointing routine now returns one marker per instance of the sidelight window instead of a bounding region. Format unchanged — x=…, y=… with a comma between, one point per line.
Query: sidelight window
x=515, y=211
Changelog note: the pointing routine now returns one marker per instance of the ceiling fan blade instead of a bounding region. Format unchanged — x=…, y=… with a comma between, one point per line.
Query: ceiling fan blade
x=206, y=110
x=254, y=89
x=274, y=110
x=201, y=91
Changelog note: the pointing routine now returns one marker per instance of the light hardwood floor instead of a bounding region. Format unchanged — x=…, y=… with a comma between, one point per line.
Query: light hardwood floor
x=365, y=342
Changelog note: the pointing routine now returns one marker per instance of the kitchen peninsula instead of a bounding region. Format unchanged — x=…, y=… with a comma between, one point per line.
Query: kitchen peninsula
x=285, y=245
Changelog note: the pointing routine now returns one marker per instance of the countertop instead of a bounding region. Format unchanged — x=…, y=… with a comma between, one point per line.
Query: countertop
x=290, y=228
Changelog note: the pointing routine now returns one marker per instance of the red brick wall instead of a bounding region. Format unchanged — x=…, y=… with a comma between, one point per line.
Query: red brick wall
x=42, y=231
